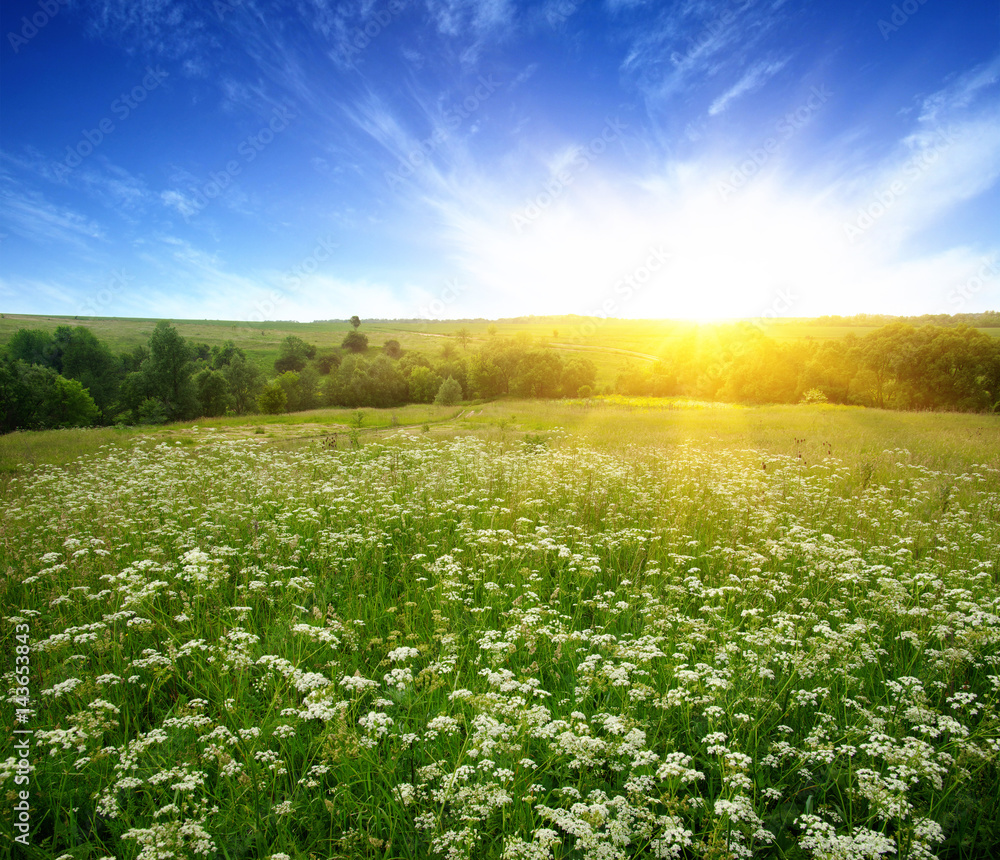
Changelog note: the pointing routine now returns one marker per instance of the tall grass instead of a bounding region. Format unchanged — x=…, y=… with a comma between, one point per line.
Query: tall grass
x=510, y=647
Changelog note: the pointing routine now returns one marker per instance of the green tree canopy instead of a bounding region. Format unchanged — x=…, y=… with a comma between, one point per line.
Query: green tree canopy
x=355, y=342
x=295, y=354
x=272, y=399
x=246, y=381
x=449, y=393
x=168, y=372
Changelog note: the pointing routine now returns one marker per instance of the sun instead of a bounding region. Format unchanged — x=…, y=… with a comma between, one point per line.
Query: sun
x=662, y=252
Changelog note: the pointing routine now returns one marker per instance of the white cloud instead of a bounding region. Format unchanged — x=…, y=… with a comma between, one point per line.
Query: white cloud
x=29, y=214
x=186, y=206
x=960, y=93
x=752, y=80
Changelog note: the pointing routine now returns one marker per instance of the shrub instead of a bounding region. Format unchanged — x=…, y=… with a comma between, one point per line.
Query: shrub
x=449, y=393
x=355, y=341
x=273, y=399
x=813, y=395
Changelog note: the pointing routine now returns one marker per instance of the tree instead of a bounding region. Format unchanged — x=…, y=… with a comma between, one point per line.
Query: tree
x=578, y=373
x=245, y=383
x=355, y=321
x=308, y=388
x=449, y=393
x=132, y=359
x=151, y=411
x=272, y=399
x=213, y=392
x=387, y=384
x=539, y=374
x=350, y=386
x=493, y=368
x=392, y=349
x=36, y=398
x=327, y=360
x=11, y=394
x=81, y=356
x=355, y=341
x=168, y=372
x=463, y=337
x=224, y=355
x=290, y=383
x=74, y=353
x=423, y=384
x=295, y=353
x=32, y=346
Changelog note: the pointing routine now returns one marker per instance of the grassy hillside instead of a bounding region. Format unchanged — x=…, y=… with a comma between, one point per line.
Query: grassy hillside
x=610, y=343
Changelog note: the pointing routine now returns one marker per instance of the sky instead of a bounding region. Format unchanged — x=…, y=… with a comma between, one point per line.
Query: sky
x=445, y=159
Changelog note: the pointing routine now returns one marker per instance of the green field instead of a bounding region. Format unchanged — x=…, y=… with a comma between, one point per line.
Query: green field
x=613, y=628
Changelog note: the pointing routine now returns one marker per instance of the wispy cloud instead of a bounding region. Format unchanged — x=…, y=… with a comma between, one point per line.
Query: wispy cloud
x=949, y=155
x=758, y=75
x=483, y=17
x=684, y=46
x=29, y=214
x=962, y=92
x=165, y=28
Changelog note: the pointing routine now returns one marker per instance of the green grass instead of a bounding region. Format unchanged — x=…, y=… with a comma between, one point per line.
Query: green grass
x=615, y=628
x=27, y=449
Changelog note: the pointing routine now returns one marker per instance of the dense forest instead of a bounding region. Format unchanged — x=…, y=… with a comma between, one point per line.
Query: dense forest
x=68, y=378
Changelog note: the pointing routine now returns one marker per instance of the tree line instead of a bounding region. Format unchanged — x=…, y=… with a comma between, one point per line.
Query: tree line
x=897, y=366
x=69, y=378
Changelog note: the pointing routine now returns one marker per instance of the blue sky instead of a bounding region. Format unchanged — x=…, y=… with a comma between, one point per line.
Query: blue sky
x=464, y=158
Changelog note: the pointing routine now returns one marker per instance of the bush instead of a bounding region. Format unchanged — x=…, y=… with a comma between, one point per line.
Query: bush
x=152, y=411
x=273, y=399
x=813, y=395
x=355, y=342
x=449, y=393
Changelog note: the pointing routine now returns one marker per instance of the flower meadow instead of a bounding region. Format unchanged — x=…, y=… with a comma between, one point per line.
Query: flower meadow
x=467, y=648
